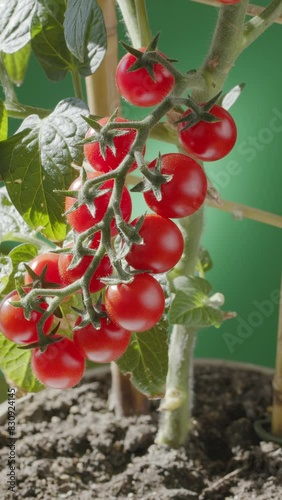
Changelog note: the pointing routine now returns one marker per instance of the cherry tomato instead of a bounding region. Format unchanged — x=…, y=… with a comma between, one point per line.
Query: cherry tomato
x=209, y=141
x=112, y=159
x=135, y=306
x=103, y=345
x=68, y=276
x=81, y=219
x=60, y=366
x=162, y=246
x=184, y=193
x=48, y=259
x=138, y=87
x=15, y=326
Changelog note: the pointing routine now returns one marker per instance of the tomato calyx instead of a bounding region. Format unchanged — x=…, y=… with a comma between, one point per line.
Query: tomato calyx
x=153, y=179
x=143, y=57
x=104, y=134
x=92, y=316
x=199, y=112
x=39, y=280
x=44, y=342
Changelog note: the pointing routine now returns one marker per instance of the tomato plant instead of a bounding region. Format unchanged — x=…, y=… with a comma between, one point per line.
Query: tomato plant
x=60, y=366
x=161, y=248
x=135, y=306
x=15, y=326
x=66, y=174
x=101, y=345
x=139, y=87
x=184, y=193
x=209, y=141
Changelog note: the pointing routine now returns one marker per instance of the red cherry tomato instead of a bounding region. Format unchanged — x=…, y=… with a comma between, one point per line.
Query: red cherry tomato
x=112, y=159
x=60, y=366
x=39, y=263
x=162, y=246
x=184, y=193
x=81, y=219
x=103, y=345
x=68, y=276
x=138, y=87
x=136, y=306
x=209, y=141
x=15, y=326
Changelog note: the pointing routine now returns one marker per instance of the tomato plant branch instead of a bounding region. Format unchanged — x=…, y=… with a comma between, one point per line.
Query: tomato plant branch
x=252, y=10
x=76, y=81
x=240, y=211
x=258, y=24
x=276, y=423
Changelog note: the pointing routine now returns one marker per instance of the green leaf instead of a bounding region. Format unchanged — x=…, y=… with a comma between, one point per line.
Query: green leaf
x=16, y=64
x=85, y=34
x=15, y=21
x=12, y=226
x=6, y=269
x=205, y=262
x=38, y=160
x=48, y=39
x=191, y=305
x=146, y=359
x=22, y=253
x=3, y=122
x=15, y=363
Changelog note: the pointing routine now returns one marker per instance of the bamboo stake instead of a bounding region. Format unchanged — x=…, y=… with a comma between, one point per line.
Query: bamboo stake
x=276, y=422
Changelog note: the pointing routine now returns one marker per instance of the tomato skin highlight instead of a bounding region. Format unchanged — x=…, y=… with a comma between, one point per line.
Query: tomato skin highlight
x=15, y=326
x=37, y=264
x=138, y=87
x=81, y=219
x=68, y=276
x=162, y=246
x=60, y=366
x=104, y=345
x=184, y=193
x=136, y=306
x=209, y=141
x=112, y=160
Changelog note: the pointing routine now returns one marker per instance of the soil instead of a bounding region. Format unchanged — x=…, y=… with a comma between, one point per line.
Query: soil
x=70, y=446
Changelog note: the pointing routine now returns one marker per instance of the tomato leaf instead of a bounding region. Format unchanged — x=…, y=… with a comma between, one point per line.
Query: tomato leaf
x=12, y=226
x=85, y=34
x=3, y=122
x=6, y=269
x=15, y=21
x=16, y=63
x=22, y=253
x=48, y=40
x=15, y=364
x=38, y=160
x=146, y=359
x=191, y=305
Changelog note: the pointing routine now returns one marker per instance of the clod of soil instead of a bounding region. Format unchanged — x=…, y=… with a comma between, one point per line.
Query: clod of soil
x=70, y=446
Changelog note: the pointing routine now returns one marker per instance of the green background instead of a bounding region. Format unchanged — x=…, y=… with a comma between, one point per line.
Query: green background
x=246, y=254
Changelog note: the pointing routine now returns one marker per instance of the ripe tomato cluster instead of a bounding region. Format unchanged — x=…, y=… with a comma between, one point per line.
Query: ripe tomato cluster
x=125, y=305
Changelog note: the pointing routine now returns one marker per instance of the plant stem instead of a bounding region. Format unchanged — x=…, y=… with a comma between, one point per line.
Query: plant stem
x=252, y=10
x=76, y=81
x=276, y=423
x=258, y=24
x=240, y=211
x=177, y=403
x=129, y=14
x=143, y=22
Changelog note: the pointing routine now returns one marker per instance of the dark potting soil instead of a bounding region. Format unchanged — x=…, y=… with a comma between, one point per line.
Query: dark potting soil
x=70, y=446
